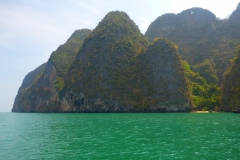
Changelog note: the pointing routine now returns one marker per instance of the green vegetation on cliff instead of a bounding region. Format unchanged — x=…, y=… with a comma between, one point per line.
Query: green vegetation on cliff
x=231, y=85
x=206, y=70
x=63, y=57
x=205, y=95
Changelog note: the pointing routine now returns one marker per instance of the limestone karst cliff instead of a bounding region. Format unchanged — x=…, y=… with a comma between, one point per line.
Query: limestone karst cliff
x=115, y=70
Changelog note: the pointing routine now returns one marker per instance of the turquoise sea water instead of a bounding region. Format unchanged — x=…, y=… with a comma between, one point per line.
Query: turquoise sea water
x=120, y=136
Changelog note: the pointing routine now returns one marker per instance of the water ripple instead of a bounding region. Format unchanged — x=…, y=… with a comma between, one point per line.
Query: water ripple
x=119, y=136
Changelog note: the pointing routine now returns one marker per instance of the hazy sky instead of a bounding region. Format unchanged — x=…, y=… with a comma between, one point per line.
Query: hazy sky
x=31, y=29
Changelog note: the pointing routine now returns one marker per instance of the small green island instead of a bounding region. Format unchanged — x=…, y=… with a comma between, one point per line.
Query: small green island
x=185, y=62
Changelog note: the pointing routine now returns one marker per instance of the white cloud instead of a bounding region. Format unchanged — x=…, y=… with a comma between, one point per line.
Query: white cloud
x=144, y=24
x=84, y=5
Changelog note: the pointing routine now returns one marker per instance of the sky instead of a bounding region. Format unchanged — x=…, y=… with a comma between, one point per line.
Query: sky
x=30, y=30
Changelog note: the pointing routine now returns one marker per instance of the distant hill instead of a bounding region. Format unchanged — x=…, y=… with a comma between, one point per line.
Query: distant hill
x=207, y=44
x=201, y=36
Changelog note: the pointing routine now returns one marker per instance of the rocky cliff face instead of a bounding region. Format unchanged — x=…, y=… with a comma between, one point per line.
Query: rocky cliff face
x=39, y=90
x=171, y=91
x=41, y=96
x=115, y=70
x=30, y=80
